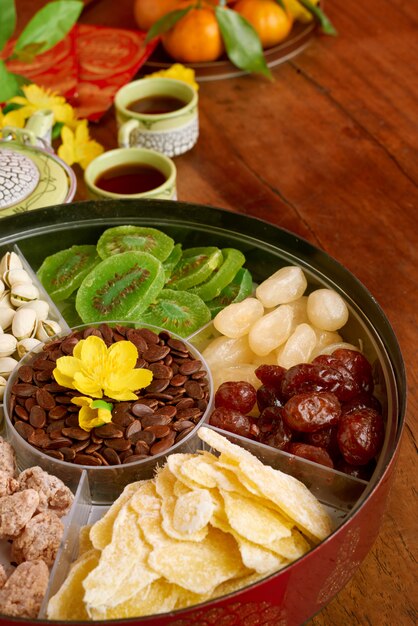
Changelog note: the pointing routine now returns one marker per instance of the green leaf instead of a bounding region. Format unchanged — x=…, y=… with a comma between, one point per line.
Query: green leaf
x=12, y=106
x=50, y=24
x=7, y=21
x=166, y=22
x=9, y=83
x=242, y=43
x=282, y=4
x=29, y=52
x=326, y=24
x=56, y=130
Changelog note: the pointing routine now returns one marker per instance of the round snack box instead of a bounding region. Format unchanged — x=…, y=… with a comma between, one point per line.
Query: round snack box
x=141, y=393
x=289, y=594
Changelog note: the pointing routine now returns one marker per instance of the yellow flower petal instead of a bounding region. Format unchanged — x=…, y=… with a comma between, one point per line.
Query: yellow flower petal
x=92, y=418
x=13, y=118
x=93, y=357
x=82, y=401
x=122, y=356
x=62, y=380
x=178, y=71
x=88, y=386
x=120, y=394
x=68, y=365
x=78, y=348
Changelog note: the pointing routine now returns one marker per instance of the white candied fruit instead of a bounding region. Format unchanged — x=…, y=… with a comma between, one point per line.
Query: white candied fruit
x=227, y=351
x=327, y=310
x=236, y=319
x=324, y=338
x=271, y=330
x=244, y=372
x=284, y=286
x=298, y=348
x=342, y=345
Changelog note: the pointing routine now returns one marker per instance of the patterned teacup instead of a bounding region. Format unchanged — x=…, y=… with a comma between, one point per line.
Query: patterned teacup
x=158, y=113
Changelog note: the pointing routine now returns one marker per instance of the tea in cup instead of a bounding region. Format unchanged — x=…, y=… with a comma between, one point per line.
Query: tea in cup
x=159, y=114
x=131, y=173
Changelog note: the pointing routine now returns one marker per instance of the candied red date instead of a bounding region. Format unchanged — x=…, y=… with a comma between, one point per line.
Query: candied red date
x=311, y=453
x=358, y=366
x=233, y=421
x=342, y=384
x=268, y=396
x=362, y=401
x=273, y=431
x=318, y=376
x=240, y=396
x=325, y=438
x=271, y=375
x=360, y=436
x=309, y=412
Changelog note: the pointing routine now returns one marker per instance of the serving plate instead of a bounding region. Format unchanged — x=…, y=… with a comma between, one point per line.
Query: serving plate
x=291, y=596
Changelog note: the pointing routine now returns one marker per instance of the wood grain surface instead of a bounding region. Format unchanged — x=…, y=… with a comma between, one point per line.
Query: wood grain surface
x=328, y=150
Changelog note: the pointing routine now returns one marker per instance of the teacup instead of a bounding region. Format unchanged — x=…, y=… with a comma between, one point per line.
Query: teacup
x=158, y=113
x=131, y=173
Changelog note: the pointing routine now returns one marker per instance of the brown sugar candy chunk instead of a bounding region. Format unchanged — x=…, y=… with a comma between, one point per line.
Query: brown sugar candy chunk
x=40, y=539
x=52, y=492
x=16, y=511
x=23, y=592
x=8, y=484
x=7, y=457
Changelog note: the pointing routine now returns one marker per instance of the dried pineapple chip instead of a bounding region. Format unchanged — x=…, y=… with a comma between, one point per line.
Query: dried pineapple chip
x=122, y=569
x=198, y=567
x=68, y=603
x=147, y=505
x=84, y=541
x=291, y=497
x=192, y=511
x=159, y=597
x=250, y=519
x=164, y=482
x=175, y=462
x=204, y=470
x=291, y=548
x=101, y=531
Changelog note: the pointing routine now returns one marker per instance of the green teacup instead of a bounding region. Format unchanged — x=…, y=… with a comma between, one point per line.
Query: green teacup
x=131, y=173
x=158, y=113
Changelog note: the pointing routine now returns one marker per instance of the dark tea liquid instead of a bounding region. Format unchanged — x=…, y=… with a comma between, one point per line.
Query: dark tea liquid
x=155, y=105
x=130, y=178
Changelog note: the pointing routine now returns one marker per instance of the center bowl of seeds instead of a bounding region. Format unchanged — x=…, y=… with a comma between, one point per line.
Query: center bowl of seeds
x=76, y=399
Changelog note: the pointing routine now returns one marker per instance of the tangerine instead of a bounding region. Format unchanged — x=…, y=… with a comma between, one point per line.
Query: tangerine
x=147, y=12
x=269, y=20
x=195, y=38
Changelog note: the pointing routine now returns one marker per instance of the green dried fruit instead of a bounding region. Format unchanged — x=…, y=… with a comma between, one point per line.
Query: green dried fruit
x=134, y=238
x=62, y=273
x=194, y=267
x=179, y=312
x=232, y=261
x=238, y=289
x=120, y=287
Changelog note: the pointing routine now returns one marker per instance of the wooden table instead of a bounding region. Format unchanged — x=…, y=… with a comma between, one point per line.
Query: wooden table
x=328, y=150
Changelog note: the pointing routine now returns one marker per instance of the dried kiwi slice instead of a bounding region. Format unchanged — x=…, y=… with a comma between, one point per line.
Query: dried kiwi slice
x=179, y=312
x=120, y=287
x=172, y=260
x=140, y=238
x=232, y=261
x=62, y=272
x=194, y=267
x=239, y=288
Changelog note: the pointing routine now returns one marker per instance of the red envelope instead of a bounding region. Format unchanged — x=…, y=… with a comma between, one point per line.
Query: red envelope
x=108, y=58
x=89, y=66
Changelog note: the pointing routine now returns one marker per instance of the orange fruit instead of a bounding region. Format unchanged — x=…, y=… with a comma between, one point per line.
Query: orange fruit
x=195, y=38
x=269, y=20
x=147, y=12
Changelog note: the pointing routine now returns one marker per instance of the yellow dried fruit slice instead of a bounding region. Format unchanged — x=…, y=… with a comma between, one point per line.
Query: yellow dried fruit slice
x=67, y=603
x=122, y=570
x=291, y=548
x=84, y=541
x=203, y=567
x=101, y=531
x=159, y=597
x=289, y=495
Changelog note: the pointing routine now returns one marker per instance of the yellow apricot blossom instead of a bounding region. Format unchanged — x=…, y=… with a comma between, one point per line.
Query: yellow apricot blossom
x=36, y=98
x=179, y=72
x=93, y=413
x=77, y=146
x=96, y=370
x=13, y=118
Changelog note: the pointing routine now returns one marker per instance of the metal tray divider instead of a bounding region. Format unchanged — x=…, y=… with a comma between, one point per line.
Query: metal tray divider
x=68, y=551
x=55, y=313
